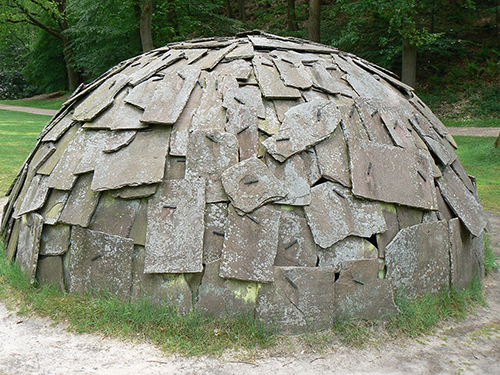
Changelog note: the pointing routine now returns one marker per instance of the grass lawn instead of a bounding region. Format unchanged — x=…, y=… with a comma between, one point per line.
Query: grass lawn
x=18, y=133
x=44, y=104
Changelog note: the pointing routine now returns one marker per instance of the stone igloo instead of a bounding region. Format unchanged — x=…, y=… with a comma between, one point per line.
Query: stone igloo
x=256, y=175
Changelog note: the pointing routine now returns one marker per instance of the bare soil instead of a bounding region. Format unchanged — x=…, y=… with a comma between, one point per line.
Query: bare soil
x=34, y=345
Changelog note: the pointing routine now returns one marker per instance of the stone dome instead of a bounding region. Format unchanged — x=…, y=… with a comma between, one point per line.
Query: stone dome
x=254, y=175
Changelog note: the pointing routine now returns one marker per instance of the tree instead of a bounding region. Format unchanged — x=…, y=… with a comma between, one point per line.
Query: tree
x=146, y=24
x=47, y=15
x=291, y=16
x=314, y=20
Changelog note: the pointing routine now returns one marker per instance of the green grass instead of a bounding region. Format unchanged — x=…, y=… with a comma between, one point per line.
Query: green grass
x=490, y=258
x=35, y=103
x=482, y=161
x=18, y=133
x=468, y=123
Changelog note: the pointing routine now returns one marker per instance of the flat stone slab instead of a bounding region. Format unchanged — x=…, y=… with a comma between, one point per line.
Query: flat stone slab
x=141, y=162
x=100, y=98
x=242, y=122
x=369, y=112
x=251, y=184
x=334, y=214
x=50, y=271
x=242, y=51
x=239, y=69
x=135, y=192
x=176, y=168
x=218, y=296
x=464, y=263
x=215, y=56
x=250, y=245
x=273, y=42
x=35, y=196
x=48, y=166
x=28, y=247
x=418, y=259
x=171, y=96
x=174, y=239
x=291, y=70
x=390, y=212
x=59, y=128
x=296, y=247
x=349, y=249
x=215, y=231
x=303, y=126
x=208, y=155
x=43, y=153
x=248, y=96
x=55, y=239
x=270, y=83
x=53, y=206
x=300, y=299
x=391, y=174
x=465, y=205
x=154, y=65
x=270, y=125
x=328, y=78
x=99, y=261
x=210, y=115
x=360, y=293
x=81, y=204
x=333, y=158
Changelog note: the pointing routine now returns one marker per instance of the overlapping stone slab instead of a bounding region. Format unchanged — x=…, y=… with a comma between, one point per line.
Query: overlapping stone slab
x=176, y=168
x=239, y=69
x=48, y=166
x=300, y=299
x=465, y=205
x=28, y=247
x=171, y=96
x=99, y=261
x=215, y=56
x=242, y=122
x=248, y=96
x=141, y=162
x=296, y=247
x=333, y=158
x=349, y=249
x=242, y=51
x=53, y=206
x=391, y=174
x=50, y=271
x=42, y=154
x=250, y=184
x=270, y=125
x=304, y=125
x=35, y=196
x=418, y=259
x=370, y=115
x=81, y=204
x=270, y=83
x=334, y=214
x=464, y=266
x=134, y=192
x=59, y=128
x=215, y=231
x=210, y=114
x=273, y=42
x=55, y=239
x=328, y=78
x=390, y=212
x=292, y=72
x=174, y=239
x=250, y=245
x=359, y=292
x=208, y=155
x=155, y=64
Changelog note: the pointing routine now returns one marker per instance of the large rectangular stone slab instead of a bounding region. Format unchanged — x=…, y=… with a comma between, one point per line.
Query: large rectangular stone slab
x=242, y=122
x=28, y=247
x=50, y=271
x=81, y=203
x=303, y=126
x=301, y=299
x=171, y=96
x=291, y=70
x=465, y=205
x=209, y=154
x=334, y=214
x=273, y=42
x=99, y=262
x=349, y=249
x=242, y=51
x=174, y=240
x=250, y=245
x=333, y=158
x=328, y=78
x=48, y=166
x=141, y=162
x=210, y=114
x=270, y=83
x=58, y=129
x=418, y=259
x=55, y=239
x=35, y=196
x=391, y=174
x=464, y=263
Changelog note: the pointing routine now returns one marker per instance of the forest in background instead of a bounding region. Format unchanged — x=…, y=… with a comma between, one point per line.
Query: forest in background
x=51, y=45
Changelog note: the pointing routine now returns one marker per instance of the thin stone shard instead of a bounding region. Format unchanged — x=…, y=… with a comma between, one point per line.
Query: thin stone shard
x=214, y=57
x=270, y=83
x=292, y=72
x=48, y=166
x=281, y=43
x=333, y=158
x=210, y=113
x=248, y=96
x=35, y=196
x=28, y=248
x=59, y=129
x=81, y=203
x=349, y=249
x=53, y=206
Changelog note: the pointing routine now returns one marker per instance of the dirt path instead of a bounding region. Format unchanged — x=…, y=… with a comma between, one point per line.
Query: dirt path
x=32, y=345
x=474, y=132
x=36, y=111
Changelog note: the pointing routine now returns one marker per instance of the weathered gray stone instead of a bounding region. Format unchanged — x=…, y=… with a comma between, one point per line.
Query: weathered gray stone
x=141, y=95
x=396, y=125
x=154, y=65
x=120, y=115
x=409, y=216
x=141, y=162
x=42, y=154
x=391, y=174
x=170, y=289
x=296, y=246
x=304, y=125
x=13, y=240
x=116, y=140
x=174, y=239
x=294, y=175
x=100, y=98
x=291, y=70
x=312, y=165
x=134, y=192
x=349, y=249
x=214, y=57
x=35, y=196
x=55, y=239
x=445, y=212
x=242, y=51
x=334, y=214
x=239, y=69
x=215, y=231
x=465, y=205
x=221, y=297
x=59, y=128
x=273, y=42
x=270, y=125
x=282, y=106
x=209, y=154
x=99, y=262
x=464, y=176
x=48, y=166
x=176, y=168
x=464, y=265
x=50, y=271
x=328, y=78
x=418, y=259
x=171, y=96
x=91, y=151
x=28, y=247
x=369, y=112
x=81, y=203
x=210, y=114
x=53, y=206
x=391, y=219
x=360, y=293
x=121, y=211
x=300, y=299
x=248, y=96
x=139, y=227
x=250, y=184
x=333, y=158
x=250, y=245
x=242, y=122
x=270, y=83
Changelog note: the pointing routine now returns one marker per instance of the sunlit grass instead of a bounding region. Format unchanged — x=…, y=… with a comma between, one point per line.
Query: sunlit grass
x=35, y=103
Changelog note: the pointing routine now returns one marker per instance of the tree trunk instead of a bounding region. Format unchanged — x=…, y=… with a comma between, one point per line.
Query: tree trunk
x=74, y=78
x=146, y=18
x=241, y=10
x=229, y=9
x=314, y=20
x=292, y=19
x=409, y=68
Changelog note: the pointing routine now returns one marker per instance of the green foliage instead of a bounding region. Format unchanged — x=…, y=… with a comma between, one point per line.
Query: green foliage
x=490, y=258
